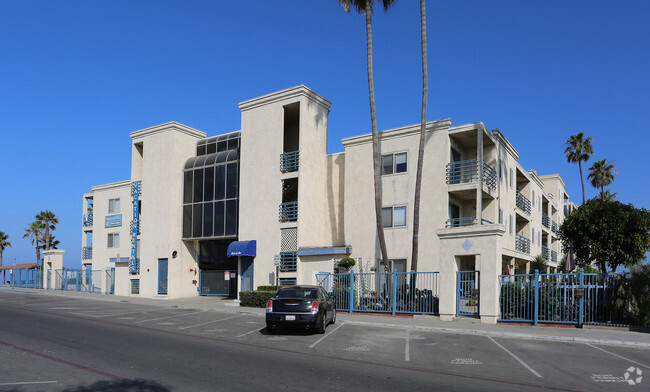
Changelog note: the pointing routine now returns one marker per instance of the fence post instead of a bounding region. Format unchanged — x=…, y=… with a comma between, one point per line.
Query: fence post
x=351, y=291
x=393, y=294
x=582, y=299
x=536, y=309
x=65, y=280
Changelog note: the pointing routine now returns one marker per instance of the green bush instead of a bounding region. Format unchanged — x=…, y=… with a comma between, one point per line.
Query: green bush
x=268, y=288
x=256, y=299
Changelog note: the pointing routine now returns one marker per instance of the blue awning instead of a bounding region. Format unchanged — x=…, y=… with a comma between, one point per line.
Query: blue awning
x=242, y=248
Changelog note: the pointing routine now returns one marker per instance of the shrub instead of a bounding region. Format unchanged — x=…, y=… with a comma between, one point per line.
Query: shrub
x=268, y=288
x=255, y=299
x=347, y=263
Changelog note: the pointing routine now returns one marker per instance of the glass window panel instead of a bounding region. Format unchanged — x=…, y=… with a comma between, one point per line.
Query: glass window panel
x=220, y=182
x=233, y=143
x=222, y=146
x=219, y=218
x=387, y=217
x=208, y=194
x=387, y=164
x=208, y=216
x=212, y=148
x=187, y=187
x=200, y=150
x=399, y=216
x=197, y=221
x=231, y=181
x=187, y=221
x=198, y=185
x=400, y=162
x=231, y=217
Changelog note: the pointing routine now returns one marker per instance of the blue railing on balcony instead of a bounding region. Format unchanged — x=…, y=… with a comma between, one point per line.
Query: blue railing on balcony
x=523, y=203
x=553, y=227
x=86, y=253
x=465, y=221
x=554, y=256
x=289, y=161
x=289, y=211
x=522, y=244
x=468, y=171
x=546, y=221
x=88, y=219
x=545, y=253
x=288, y=261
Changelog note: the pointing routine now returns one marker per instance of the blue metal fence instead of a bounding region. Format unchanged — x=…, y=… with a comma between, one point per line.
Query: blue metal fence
x=396, y=292
x=467, y=293
x=577, y=298
x=26, y=278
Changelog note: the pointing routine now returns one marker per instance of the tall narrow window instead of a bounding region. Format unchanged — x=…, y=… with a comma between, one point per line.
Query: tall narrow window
x=113, y=206
x=113, y=240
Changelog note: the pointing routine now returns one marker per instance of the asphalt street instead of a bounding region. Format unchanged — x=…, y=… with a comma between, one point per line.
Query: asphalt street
x=51, y=343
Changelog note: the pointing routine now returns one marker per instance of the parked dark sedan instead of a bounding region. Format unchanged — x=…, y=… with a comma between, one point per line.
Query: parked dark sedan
x=305, y=306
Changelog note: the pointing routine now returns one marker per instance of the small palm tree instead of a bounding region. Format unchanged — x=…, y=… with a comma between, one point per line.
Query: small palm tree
x=365, y=7
x=539, y=263
x=3, y=244
x=608, y=196
x=601, y=174
x=34, y=233
x=49, y=221
x=48, y=242
x=578, y=149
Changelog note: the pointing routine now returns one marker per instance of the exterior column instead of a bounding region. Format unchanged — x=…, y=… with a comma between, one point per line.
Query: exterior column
x=52, y=261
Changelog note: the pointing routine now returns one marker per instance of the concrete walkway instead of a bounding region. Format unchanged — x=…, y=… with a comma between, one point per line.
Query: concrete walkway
x=463, y=325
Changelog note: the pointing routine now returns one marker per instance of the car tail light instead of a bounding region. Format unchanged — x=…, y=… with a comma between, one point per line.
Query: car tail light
x=269, y=306
x=314, y=307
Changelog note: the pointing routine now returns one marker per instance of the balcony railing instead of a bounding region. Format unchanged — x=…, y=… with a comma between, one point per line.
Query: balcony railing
x=545, y=253
x=522, y=244
x=289, y=161
x=554, y=256
x=553, y=227
x=88, y=219
x=288, y=261
x=465, y=221
x=289, y=211
x=523, y=203
x=86, y=253
x=468, y=171
x=546, y=221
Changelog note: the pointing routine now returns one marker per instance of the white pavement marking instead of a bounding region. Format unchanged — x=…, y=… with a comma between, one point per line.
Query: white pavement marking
x=331, y=332
x=517, y=358
x=110, y=315
x=27, y=383
x=213, y=321
x=250, y=332
x=616, y=355
x=406, y=350
x=168, y=317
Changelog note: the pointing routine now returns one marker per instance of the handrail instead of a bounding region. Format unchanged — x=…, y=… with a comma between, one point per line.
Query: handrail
x=522, y=202
x=468, y=171
x=288, y=211
x=522, y=244
x=289, y=161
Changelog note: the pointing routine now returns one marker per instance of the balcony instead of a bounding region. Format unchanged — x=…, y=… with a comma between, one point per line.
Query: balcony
x=554, y=256
x=289, y=161
x=523, y=203
x=86, y=253
x=87, y=220
x=466, y=221
x=522, y=244
x=288, y=261
x=545, y=253
x=289, y=211
x=464, y=172
x=546, y=221
x=553, y=227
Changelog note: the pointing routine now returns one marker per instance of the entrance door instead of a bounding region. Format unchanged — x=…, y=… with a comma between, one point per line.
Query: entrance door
x=246, y=273
x=162, y=276
x=468, y=293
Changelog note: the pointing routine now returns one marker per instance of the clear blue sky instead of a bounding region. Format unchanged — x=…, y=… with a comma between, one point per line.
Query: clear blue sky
x=77, y=76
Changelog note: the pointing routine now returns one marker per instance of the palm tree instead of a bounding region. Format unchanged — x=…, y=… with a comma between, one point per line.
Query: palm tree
x=578, y=149
x=49, y=221
x=601, y=174
x=3, y=244
x=365, y=7
x=539, y=263
x=34, y=233
x=423, y=124
x=608, y=196
x=49, y=242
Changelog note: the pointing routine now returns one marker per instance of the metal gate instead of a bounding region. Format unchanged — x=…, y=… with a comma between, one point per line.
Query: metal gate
x=217, y=282
x=467, y=293
x=110, y=281
x=246, y=273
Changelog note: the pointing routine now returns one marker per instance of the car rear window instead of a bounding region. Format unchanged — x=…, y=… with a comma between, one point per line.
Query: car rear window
x=297, y=293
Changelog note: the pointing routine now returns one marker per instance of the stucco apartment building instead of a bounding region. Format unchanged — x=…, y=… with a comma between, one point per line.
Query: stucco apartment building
x=216, y=215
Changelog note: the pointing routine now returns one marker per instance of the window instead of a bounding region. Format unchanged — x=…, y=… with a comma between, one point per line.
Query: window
x=533, y=198
x=287, y=281
x=394, y=216
x=500, y=216
x=511, y=180
x=393, y=163
x=113, y=240
x=135, y=286
x=113, y=206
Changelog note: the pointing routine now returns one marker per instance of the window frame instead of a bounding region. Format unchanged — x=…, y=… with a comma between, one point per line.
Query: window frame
x=394, y=163
x=392, y=215
x=114, y=205
x=110, y=240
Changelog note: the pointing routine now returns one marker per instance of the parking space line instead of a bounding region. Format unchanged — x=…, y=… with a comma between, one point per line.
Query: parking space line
x=616, y=355
x=516, y=357
x=109, y=315
x=210, y=322
x=331, y=332
x=407, y=349
x=168, y=317
x=4, y=384
x=248, y=333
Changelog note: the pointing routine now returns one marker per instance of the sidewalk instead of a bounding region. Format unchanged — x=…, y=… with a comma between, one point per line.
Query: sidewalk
x=463, y=325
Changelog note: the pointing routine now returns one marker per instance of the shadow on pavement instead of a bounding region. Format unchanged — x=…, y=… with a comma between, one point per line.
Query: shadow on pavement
x=119, y=386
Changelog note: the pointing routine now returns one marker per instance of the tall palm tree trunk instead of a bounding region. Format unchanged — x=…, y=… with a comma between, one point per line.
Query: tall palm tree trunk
x=375, y=138
x=423, y=125
x=582, y=181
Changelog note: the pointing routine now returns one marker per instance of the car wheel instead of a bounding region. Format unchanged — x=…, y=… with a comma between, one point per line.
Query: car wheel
x=333, y=316
x=323, y=324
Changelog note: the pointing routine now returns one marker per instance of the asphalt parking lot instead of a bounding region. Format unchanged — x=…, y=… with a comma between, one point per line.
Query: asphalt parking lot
x=496, y=362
